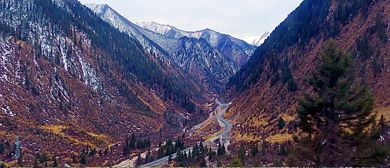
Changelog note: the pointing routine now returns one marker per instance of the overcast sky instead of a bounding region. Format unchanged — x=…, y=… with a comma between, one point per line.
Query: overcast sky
x=238, y=18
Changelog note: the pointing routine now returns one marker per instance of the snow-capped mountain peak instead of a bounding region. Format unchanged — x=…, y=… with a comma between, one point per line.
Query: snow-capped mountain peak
x=97, y=8
x=256, y=40
x=152, y=26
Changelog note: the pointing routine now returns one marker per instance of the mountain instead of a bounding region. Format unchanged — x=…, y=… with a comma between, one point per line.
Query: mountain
x=233, y=48
x=73, y=85
x=211, y=64
x=270, y=84
x=256, y=40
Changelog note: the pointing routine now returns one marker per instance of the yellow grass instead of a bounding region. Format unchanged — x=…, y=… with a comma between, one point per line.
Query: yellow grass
x=211, y=137
x=287, y=118
x=57, y=129
x=230, y=112
x=209, y=105
x=259, y=122
x=216, y=133
x=280, y=138
x=97, y=136
x=383, y=110
x=146, y=103
x=244, y=137
x=10, y=164
x=205, y=125
x=105, y=162
x=172, y=164
x=159, y=109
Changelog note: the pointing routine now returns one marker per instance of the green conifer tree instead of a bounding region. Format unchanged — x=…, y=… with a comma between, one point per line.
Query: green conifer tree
x=83, y=159
x=335, y=116
x=241, y=153
x=36, y=164
x=281, y=123
x=139, y=159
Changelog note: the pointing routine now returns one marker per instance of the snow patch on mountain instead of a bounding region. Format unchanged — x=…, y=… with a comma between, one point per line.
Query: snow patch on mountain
x=203, y=53
x=256, y=40
x=152, y=26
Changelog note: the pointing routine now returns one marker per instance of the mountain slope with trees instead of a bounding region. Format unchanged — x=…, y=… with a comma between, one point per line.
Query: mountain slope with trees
x=267, y=88
x=339, y=115
x=67, y=77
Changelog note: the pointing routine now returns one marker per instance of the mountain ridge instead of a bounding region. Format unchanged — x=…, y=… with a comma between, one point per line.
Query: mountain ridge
x=165, y=41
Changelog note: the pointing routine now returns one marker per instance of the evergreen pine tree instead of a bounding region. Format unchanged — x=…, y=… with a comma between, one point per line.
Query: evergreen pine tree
x=189, y=156
x=132, y=141
x=241, y=153
x=55, y=164
x=219, y=163
x=74, y=159
x=211, y=154
x=147, y=157
x=335, y=116
x=223, y=149
x=254, y=150
x=139, y=159
x=20, y=160
x=169, y=159
x=106, y=151
x=36, y=164
x=203, y=162
x=281, y=123
x=160, y=152
x=201, y=146
x=179, y=156
x=83, y=159
x=169, y=147
x=2, y=149
x=382, y=125
x=219, y=150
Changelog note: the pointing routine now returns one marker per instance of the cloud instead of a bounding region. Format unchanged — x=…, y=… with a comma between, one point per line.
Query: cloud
x=238, y=18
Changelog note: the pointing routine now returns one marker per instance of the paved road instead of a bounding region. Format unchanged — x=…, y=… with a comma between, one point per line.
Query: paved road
x=228, y=127
x=227, y=124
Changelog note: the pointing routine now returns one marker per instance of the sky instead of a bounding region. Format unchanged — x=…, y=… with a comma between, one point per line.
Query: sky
x=239, y=18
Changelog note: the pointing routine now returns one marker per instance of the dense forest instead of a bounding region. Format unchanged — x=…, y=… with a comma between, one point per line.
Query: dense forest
x=310, y=19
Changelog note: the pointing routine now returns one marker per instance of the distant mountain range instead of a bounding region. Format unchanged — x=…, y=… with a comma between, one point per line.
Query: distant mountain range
x=209, y=56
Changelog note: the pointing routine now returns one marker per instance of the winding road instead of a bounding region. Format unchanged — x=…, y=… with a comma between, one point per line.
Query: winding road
x=224, y=133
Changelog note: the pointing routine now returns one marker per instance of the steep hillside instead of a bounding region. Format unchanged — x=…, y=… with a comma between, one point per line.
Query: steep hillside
x=268, y=87
x=118, y=21
x=223, y=53
x=201, y=60
x=69, y=78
